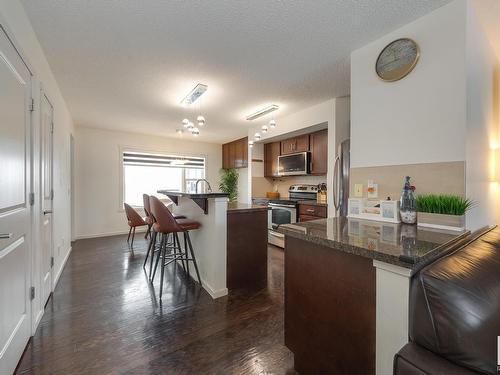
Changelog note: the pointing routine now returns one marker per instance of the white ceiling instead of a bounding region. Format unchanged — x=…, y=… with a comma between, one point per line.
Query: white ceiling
x=127, y=64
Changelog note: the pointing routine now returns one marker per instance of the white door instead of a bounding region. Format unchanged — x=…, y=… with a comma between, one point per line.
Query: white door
x=46, y=149
x=15, y=257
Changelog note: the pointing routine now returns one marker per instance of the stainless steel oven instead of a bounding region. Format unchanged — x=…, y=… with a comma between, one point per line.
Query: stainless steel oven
x=284, y=211
x=280, y=213
x=294, y=164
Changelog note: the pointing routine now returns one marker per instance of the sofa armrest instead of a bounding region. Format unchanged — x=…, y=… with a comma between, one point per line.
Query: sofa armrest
x=413, y=359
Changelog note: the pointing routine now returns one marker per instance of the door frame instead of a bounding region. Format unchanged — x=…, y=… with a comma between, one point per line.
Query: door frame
x=43, y=94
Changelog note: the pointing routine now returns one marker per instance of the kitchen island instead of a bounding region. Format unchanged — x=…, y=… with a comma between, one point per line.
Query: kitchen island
x=246, y=246
x=347, y=291
x=221, y=243
x=209, y=242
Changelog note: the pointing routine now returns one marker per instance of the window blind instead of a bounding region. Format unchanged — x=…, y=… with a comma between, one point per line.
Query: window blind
x=169, y=161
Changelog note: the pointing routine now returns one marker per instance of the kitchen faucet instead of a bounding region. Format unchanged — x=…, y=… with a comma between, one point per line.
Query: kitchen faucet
x=208, y=183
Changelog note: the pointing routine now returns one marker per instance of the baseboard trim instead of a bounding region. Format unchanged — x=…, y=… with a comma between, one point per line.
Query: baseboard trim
x=214, y=293
x=107, y=234
x=63, y=264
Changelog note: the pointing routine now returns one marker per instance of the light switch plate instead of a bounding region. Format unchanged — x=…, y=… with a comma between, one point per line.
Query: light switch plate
x=358, y=190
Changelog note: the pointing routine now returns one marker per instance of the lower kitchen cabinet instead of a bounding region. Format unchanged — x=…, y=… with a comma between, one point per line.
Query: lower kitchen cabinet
x=308, y=212
x=330, y=309
x=246, y=248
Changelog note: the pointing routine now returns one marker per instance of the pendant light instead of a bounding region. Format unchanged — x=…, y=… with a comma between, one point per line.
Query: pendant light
x=189, y=101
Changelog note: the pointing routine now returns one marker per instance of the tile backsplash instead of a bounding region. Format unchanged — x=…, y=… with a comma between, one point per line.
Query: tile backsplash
x=261, y=185
x=428, y=178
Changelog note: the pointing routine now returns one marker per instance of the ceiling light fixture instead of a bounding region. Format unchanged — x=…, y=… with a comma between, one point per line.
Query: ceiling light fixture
x=262, y=112
x=195, y=132
x=250, y=143
x=201, y=120
x=194, y=94
x=257, y=136
x=272, y=123
x=264, y=129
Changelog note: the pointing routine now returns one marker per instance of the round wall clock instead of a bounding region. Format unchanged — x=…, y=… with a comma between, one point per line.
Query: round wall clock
x=397, y=59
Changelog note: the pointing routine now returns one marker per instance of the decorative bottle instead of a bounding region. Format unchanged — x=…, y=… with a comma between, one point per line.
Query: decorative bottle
x=408, y=204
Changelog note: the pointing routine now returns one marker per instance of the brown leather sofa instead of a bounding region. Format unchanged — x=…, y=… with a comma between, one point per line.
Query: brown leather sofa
x=455, y=313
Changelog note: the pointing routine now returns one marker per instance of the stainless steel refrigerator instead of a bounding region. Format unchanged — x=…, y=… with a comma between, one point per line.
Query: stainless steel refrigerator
x=341, y=178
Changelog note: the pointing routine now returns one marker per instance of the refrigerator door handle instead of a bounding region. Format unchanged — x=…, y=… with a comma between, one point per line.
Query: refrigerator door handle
x=336, y=192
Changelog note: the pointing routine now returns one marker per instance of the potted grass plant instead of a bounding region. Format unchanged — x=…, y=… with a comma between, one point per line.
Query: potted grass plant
x=442, y=211
x=229, y=183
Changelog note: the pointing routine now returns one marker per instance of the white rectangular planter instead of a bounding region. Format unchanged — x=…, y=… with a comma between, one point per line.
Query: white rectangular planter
x=440, y=221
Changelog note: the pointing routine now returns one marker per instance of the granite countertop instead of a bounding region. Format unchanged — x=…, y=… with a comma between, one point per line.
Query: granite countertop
x=403, y=245
x=243, y=207
x=177, y=193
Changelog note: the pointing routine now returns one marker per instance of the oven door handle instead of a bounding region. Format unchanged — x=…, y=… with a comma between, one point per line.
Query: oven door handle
x=280, y=205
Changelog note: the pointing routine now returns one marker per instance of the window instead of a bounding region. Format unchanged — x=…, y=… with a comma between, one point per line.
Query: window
x=148, y=173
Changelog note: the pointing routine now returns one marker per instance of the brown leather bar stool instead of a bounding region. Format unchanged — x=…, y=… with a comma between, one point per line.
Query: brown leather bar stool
x=167, y=224
x=151, y=219
x=134, y=220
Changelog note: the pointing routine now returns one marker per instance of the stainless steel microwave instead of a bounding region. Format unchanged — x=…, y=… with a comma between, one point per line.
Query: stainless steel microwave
x=294, y=164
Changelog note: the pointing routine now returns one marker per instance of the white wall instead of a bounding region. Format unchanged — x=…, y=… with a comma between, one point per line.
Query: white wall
x=243, y=185
x=314, y=115
x=18, y=27
x=482, y=123
x=421, y=118
x=98, y=174
x=441, y=112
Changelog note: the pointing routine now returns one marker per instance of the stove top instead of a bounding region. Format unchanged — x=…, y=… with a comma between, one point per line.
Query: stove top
x=298, y=193
x=291, y=200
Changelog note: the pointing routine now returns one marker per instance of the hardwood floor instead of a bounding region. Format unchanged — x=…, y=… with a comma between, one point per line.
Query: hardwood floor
x=104, y=318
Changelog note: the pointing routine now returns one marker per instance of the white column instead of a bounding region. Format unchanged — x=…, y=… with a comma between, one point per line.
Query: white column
x=209, y=242
x=393, y=288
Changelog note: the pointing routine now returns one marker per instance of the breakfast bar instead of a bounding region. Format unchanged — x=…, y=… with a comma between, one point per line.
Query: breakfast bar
x=209, y=242
x=231, y=244
x=347, y=290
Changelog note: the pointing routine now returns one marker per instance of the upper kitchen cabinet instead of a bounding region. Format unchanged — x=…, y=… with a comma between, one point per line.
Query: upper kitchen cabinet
x=235, y=154
x=271, y=153
x=319, y=152
x=295, y=144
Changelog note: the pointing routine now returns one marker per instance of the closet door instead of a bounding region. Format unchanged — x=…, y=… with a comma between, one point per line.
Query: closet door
x=15, y=256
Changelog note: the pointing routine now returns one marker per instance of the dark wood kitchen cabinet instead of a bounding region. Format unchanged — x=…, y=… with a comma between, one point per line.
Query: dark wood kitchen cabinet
x=246, y=247
x=308, y=212
x=271, y=153
x=319, y=152
x=225, y=156
x=235, y=154
x=334, y=305
x=295, y=144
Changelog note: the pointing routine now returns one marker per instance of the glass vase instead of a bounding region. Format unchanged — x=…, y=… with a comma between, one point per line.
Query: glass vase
x=408, y=204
